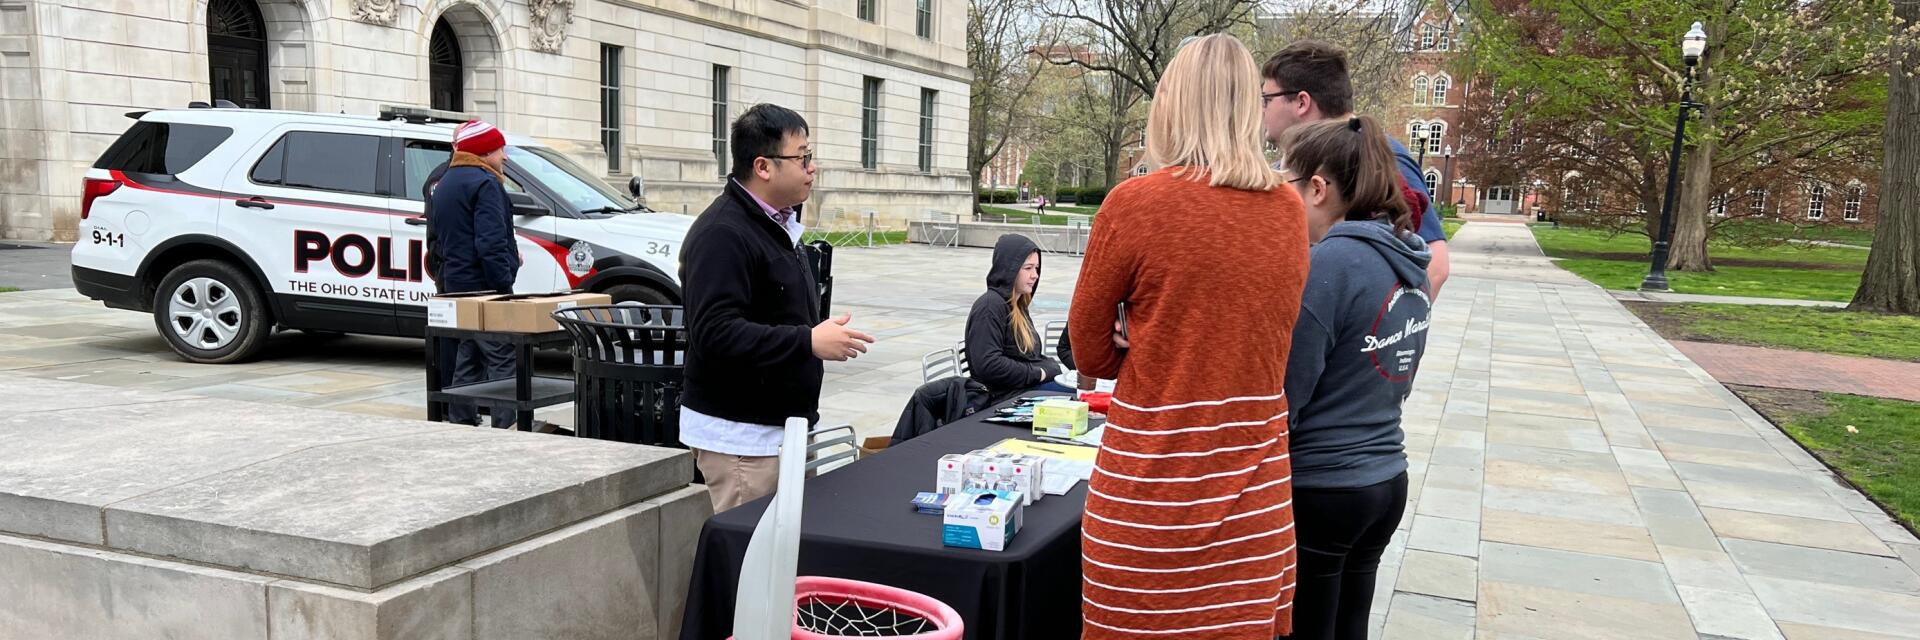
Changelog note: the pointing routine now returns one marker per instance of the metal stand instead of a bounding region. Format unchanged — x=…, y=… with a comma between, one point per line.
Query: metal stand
x=521, y=394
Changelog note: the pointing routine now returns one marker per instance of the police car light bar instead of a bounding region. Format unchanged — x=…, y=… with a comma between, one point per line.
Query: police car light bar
x=422, y=115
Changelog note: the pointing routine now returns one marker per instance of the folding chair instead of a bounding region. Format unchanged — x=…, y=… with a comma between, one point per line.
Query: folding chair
x=938, y=364
x=1051, y=347
x=821, y=445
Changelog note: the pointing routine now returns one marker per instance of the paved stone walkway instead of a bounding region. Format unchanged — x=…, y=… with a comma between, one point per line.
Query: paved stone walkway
x=1786, y=369
x=1575, y=476
x=1578, y=477
x=34, y=265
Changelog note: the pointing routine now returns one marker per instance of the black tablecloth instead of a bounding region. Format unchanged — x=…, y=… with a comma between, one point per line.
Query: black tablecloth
x=858, y=523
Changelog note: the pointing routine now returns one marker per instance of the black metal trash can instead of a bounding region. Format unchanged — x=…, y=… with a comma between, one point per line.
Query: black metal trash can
x=629, y=361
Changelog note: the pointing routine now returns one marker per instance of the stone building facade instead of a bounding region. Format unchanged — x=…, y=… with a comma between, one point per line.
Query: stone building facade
x=630, y=87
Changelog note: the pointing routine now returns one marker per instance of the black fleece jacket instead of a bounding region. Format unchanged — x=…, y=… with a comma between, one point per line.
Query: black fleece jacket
x=751, y=307
x=993, y=354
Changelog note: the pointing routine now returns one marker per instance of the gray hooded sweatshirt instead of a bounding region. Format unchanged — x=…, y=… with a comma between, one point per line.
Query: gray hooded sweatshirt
x=1362, y=330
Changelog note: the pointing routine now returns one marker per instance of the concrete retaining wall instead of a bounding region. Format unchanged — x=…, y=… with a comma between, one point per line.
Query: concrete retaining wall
x=126, y=514
x=1051, y=238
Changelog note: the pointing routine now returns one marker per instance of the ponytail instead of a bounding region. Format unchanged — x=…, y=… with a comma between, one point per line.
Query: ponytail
x=1353, y=156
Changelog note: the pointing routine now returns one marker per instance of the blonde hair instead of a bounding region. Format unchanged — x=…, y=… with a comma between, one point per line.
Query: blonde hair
x=1206, y=116
x=1022, y=323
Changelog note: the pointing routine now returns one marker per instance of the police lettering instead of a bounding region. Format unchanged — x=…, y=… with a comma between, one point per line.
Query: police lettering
x=354, y=256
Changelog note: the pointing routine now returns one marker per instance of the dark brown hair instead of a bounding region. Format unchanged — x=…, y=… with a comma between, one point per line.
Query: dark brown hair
x=1318, y=68
x=1352, y=155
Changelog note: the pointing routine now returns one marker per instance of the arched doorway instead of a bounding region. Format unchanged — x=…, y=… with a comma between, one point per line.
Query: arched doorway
x=237, y=53
x=444, y=72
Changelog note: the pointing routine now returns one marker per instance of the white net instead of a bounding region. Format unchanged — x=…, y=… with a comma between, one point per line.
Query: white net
x=841, y=617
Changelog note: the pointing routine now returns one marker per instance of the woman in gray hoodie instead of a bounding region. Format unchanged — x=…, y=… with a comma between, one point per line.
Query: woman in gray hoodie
x=1362, y=330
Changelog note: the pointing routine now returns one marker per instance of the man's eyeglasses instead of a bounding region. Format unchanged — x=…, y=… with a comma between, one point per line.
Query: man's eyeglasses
x=1267, y=98
x=805, y=160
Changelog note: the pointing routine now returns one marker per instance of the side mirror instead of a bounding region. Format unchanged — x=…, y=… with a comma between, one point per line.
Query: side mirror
x=524, y=205
x=637, y=188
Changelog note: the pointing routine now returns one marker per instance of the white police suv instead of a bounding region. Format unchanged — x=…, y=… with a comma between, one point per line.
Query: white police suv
x=228, y=223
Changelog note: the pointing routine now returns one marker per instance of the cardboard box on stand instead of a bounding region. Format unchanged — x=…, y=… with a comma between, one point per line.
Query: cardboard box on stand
x=533, y=313
x=459, y=310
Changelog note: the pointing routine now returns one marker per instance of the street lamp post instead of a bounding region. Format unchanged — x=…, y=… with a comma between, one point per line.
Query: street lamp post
x=1446, y=180
x=1692, y=46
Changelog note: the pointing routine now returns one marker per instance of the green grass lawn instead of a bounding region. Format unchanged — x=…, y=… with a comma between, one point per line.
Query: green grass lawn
x=1837, y=331
x=1785, y=271
x=1840, y=232
x=1881, y=454
x=8, y=289
x=1451, y=226
x=879, y=237
x=1023, y=215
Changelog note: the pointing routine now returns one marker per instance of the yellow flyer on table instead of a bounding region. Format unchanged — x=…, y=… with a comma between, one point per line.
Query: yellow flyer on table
x=1046, y=450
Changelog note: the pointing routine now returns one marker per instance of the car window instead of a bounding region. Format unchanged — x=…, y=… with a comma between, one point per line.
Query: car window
x=343, y=162
x=162, y=147
x=418, y=161
x=567, y=180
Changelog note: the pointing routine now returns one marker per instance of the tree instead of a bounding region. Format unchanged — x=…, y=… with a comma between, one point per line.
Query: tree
x=1138, y=38
x=1892, y=280
x=1000, y=39
x=1788, y=87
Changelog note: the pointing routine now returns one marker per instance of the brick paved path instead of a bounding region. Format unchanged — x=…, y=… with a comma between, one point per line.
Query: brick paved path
x=1784, y=369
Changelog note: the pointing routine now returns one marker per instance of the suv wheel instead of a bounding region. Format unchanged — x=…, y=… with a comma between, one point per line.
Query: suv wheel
x=211, y=312
x=640, y=293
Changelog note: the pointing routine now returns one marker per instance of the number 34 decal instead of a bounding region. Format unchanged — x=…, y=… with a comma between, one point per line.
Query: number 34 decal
x=659, y=249
x=109, y=238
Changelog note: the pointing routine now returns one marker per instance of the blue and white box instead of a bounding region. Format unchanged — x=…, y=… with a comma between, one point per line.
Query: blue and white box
x=983, y=520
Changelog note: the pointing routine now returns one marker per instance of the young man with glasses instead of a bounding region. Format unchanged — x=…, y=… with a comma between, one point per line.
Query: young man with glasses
x=757, y=336
x=1308, y=82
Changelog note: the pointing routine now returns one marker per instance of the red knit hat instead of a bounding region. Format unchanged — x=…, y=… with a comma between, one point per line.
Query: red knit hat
x=478, y=138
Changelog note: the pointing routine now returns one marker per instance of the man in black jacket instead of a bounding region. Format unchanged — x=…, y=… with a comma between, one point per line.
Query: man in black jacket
x=757, y=337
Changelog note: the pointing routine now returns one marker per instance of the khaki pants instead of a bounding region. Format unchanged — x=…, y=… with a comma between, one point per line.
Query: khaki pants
x=736, y=480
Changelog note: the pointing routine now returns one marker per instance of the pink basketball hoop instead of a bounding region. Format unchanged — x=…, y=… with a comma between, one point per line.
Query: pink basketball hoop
x=833, y=609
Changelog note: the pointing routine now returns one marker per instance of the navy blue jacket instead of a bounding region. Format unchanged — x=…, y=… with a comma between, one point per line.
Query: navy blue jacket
x=473, y=226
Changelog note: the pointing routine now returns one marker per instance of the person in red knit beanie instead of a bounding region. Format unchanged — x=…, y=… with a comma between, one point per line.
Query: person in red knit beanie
x=470, y=228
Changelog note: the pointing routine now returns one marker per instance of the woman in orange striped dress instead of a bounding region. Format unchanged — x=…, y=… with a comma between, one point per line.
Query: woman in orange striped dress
x=1188, y=531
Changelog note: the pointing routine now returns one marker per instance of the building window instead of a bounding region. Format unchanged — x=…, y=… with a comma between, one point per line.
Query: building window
x=1416, y=134
x=870, y=123
x=926, y=129
x=722, y=128
x=1757, y=201
x=1850, y=209
x=1440, y=86
x=1446, y=41
x=1719, y=206
x=1817, y=202
x=865, y=10
x=1433, y=181
x=610, y=105
x=1420, y=89
x=1428, y=37
x=1436, y=131
x=923, y=18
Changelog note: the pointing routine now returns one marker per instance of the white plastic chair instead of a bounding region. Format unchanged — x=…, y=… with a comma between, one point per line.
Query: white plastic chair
x=939, y=364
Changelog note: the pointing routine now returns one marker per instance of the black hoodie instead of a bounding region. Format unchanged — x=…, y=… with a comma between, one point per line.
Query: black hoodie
x=1362, y=330
x=992, y=353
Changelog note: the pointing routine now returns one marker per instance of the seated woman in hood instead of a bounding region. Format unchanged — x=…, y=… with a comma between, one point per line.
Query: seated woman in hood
x=1356, y=346
x=1003, y=345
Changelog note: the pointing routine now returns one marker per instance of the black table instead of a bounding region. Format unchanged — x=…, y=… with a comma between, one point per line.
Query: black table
x=521, y=393
x=858, y=523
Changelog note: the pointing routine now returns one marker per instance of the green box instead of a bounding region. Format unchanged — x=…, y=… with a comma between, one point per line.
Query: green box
x=1060, y=418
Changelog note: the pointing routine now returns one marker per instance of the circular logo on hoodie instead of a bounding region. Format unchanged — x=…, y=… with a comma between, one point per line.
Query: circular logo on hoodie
x=580, y=258
x=1402, y=317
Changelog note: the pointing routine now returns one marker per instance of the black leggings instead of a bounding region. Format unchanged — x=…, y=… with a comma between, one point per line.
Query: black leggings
x=1342, y=533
